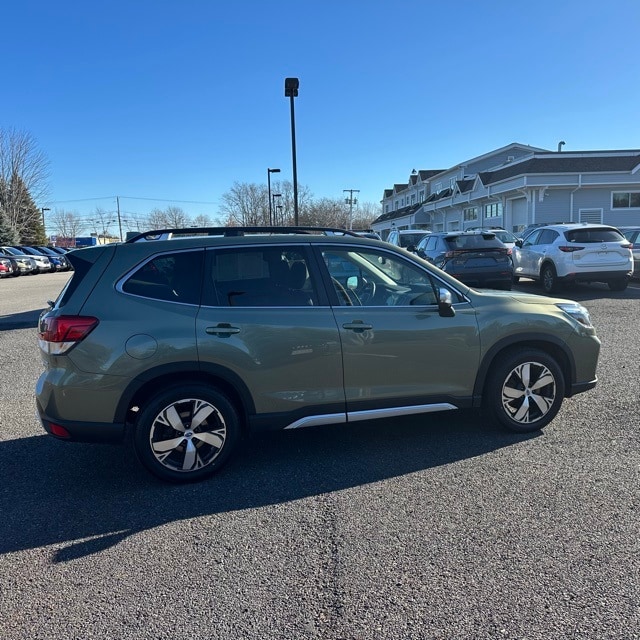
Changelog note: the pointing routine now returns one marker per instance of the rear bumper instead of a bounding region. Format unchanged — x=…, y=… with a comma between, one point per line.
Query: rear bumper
x=581, y=387
x=597, y=276
x=81, y=431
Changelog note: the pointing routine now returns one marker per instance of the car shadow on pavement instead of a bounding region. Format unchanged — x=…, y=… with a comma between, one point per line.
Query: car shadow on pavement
x=581, y=292
x=88, y=498
x=22, y=320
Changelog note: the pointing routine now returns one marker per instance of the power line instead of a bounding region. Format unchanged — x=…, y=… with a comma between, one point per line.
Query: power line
x=133, y=198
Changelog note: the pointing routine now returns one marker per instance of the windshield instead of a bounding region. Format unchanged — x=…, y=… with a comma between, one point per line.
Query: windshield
x=409, y=239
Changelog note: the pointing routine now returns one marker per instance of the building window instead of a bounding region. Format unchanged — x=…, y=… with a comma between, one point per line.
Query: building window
x=421, y=196
x=625, y=200
x=470, y=213
x=452, y=183
x=437, y=187
x=395, y=205
x=386, y=208
x=413, y=198
x=493, y=210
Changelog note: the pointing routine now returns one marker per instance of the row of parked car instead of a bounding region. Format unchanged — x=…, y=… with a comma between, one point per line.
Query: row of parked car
x=554, y=254
x=20, y=260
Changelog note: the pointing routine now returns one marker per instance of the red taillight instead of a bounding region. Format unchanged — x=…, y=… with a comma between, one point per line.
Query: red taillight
x=58, y=430
x=58, y=334
x=570, y=249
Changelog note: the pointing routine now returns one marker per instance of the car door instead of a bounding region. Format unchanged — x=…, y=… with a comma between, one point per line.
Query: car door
x=528, y=259
x=265, y=325
x=399, y=354
x=524, y=256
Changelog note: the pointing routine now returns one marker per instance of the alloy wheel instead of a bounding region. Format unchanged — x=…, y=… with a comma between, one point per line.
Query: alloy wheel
x=528, y=392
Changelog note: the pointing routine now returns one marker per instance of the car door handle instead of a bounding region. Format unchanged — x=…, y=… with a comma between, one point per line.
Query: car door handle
x=358, y=326
x=222, y=330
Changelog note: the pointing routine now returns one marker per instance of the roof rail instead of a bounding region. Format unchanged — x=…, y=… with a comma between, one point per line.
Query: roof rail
x=168, y=234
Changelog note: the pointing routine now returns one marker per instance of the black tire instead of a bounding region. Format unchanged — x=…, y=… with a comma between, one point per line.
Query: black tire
x=618, y=285
x=549, y=278
x=524, y=390
x=171, y=448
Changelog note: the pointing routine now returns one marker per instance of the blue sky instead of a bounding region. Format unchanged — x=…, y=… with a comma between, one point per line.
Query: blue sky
x=164, y=102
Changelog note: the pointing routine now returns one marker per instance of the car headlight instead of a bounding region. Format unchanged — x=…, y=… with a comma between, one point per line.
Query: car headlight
x=577, y=312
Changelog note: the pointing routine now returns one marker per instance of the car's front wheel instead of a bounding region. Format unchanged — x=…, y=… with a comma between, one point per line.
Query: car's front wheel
x=524, y=390
x=186, y=433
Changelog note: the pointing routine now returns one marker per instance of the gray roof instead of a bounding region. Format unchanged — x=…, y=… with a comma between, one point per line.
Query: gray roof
x=563, y=163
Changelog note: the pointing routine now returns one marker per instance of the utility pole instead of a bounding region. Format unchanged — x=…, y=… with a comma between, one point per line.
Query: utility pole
x=119, y=218
x=351, y=201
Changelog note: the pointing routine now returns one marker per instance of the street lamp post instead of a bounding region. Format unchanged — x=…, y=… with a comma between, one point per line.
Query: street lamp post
x=269, y=172
x=291, y=86
x=275, y=209
x=43, y=209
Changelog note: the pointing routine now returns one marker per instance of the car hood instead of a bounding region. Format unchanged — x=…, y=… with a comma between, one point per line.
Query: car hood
x=526, y=298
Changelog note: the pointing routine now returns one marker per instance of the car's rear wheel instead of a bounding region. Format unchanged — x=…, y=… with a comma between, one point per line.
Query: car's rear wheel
x=618, y=285
x=186, y=433
x=549, y=278
x=524, y=390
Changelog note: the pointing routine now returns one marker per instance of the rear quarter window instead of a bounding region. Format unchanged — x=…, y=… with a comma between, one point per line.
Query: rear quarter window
x=175, y=277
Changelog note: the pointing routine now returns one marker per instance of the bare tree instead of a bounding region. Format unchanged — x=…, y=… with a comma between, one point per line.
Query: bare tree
x=169, y=218
x=176, y=217
x=67, y=224
x=202, y=220
x=24, y=173
x=102, y=222
x=246, y=204
x=365, y=214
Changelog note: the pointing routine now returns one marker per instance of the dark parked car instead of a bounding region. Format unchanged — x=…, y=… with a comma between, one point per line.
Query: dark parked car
x=477, y=258
x=59, y=260
x=188, y=343
x=26, y=263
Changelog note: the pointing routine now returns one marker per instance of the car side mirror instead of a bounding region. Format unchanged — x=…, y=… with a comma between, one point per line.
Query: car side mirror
x=519, y=242
x=445, y=303
x=412, y=248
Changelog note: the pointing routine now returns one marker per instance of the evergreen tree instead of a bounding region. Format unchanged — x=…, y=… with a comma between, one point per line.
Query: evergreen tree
x=8, y=235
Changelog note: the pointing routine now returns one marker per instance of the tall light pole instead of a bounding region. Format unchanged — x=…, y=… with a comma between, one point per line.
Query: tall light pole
x=351, y=201
x=291, y=86
x=275, y=209
x=43, y=209
x=269, y=172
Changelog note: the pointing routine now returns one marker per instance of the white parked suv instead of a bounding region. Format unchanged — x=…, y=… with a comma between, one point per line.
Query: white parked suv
x=574, y=252
x=406, y=238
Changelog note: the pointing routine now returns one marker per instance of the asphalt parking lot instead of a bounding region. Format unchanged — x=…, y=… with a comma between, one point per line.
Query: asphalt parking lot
x=434, y=526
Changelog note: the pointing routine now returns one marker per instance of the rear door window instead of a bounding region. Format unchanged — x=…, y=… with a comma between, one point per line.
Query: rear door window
x=259, y=277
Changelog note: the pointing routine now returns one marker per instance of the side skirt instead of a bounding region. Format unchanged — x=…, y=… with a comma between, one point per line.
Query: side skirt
x=371, y=414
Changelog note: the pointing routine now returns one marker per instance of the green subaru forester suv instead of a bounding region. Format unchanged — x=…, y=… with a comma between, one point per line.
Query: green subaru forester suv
x=187, y=338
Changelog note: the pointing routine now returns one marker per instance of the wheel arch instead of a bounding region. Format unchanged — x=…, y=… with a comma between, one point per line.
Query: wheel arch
x=551, y=345
x=152, y=381
x=547, y=261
